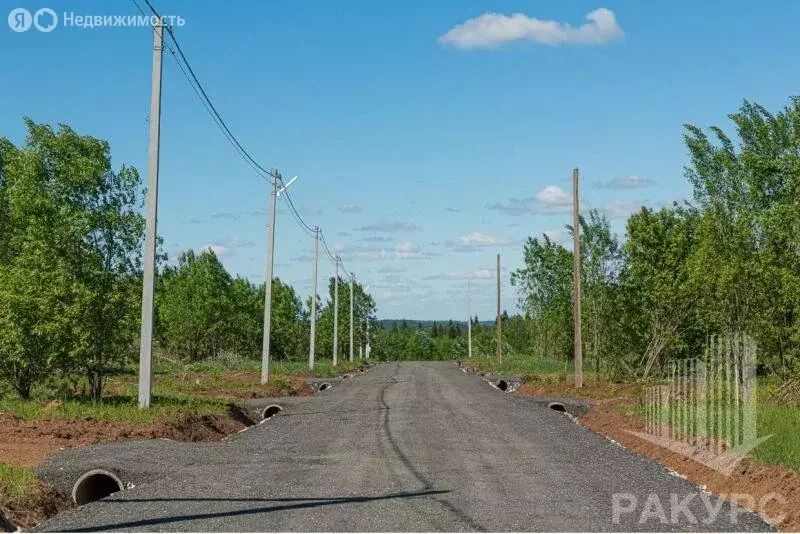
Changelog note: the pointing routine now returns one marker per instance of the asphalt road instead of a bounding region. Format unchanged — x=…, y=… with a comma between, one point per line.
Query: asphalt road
x=403, y=447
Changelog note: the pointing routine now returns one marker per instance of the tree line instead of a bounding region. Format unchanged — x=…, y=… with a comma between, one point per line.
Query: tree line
x=72, y=231
x=728, y=260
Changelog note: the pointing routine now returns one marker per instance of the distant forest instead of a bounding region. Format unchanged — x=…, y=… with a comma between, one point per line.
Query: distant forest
x=388, y=324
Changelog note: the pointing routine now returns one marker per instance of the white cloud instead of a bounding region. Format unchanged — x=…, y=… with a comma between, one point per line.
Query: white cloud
x=357, y=252
x=350, y=208
x=390, y=226
x=477, y=239
x=408, y=251
x=462, y=275
x=556, y=236
x=218, y=250
x=374, y=254
x=552, y=195
x=492, y=29
x=628, y=182
x=620, y=210
x=233, y=242
x=551, y=199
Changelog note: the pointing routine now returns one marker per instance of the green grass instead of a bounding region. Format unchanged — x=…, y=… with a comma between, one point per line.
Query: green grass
x=203, y=388
x=118, y=408
x=322, y=367
x=783, y=422
x=16, y=483
x=521, y=364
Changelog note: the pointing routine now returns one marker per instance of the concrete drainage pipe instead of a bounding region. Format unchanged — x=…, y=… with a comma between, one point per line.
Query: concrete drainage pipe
x=95, y=485
x=502, y=385
x=557, y=406
x=270, y=411
x=324, y=386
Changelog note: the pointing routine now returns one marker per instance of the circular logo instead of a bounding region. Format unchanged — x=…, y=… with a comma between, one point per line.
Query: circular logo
x=20, y=19
x=45, y=20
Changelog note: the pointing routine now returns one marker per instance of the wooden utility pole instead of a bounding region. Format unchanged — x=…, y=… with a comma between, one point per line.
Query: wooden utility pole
x=499, y=318
x=576, y=280
x=146, y=335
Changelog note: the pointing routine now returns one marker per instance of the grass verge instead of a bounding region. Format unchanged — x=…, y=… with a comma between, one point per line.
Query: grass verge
x=24, y=501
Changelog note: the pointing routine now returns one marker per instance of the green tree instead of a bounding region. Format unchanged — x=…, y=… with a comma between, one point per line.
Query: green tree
x=194, y=307
x=74, y=233
x=600, y=265
x=747, y=265
x=545, y=289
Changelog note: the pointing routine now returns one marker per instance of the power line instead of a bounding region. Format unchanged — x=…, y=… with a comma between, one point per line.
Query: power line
x=325, y=247
x=308, y=229
x=201, y=93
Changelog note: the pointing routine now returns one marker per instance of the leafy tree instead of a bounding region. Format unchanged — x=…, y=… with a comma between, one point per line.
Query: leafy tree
x=545, y=286
x=600, y=265
x=747, y=265
x=363, y=312
x=194, y=307
x=73, y=232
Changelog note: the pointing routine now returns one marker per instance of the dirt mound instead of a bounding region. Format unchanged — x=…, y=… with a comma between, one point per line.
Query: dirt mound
x=25, y=443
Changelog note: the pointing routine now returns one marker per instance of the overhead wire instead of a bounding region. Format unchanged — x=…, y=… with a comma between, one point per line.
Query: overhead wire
x=202, y=95
x=197, y=86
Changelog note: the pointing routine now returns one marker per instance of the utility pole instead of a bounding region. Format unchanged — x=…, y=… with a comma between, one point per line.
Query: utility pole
x=146, y=335
x=499, y=318
x=368, y=349
x=469, y=320
x=314, y=303
x=352, y=276
x=273, y=195
x=336, y=315
x=576, y=280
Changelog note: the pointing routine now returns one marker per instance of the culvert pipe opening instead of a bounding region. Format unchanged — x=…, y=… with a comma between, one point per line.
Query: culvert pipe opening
x=324, y=386
x=557, y=406
x=95, y=485
x=270, y=411
x=502, y=385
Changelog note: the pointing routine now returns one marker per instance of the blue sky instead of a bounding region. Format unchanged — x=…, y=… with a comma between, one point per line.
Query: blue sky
x=425, y=143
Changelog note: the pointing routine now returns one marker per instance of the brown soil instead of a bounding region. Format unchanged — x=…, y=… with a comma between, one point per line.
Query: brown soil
x=611, y=416
x=25, y=443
